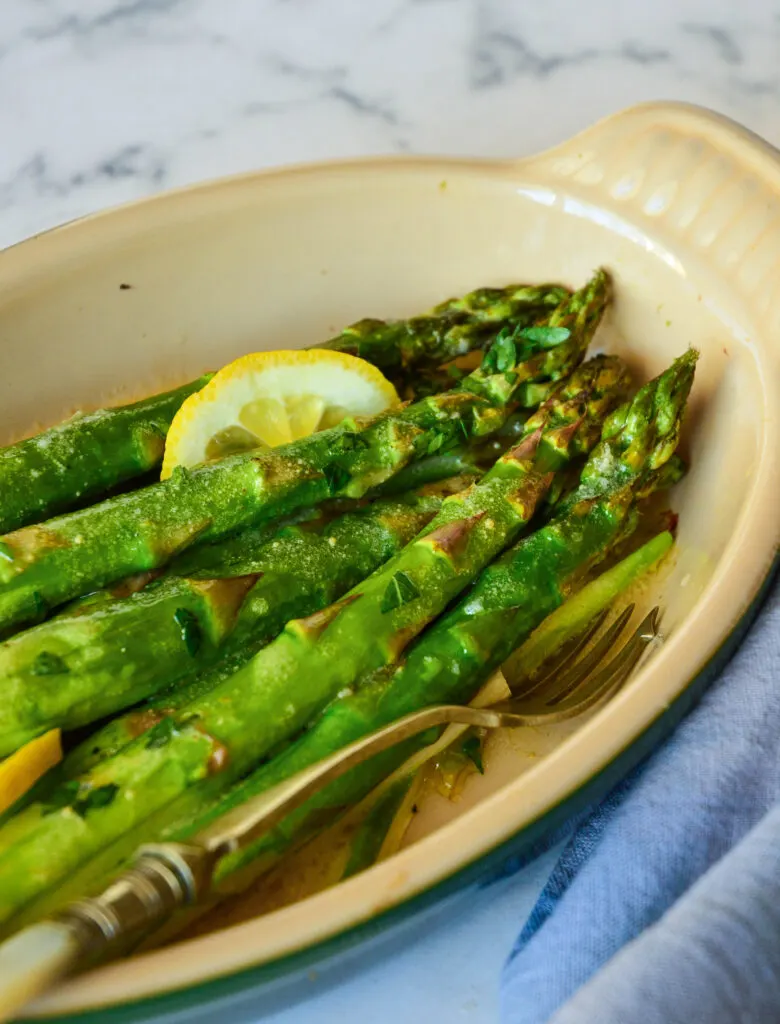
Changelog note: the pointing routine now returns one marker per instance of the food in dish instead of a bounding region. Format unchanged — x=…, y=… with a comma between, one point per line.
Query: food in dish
x=270, y=605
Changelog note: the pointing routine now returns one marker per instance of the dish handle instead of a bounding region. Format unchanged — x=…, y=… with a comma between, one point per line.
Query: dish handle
x=697, y=180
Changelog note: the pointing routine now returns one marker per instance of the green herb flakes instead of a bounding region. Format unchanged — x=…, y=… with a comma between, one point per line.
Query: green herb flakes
x=48, y=664
x=547, y=337
x=81, y=798
x=400, y=591
x=472, y=748
x=161, y=734
x=191, y=632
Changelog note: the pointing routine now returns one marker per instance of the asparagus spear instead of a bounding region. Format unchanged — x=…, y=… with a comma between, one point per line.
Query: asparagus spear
x=42, y=566
x=325, y=575
x=451, y=471
x=460, y=651
x=118, y=732
x=448, y=663
x=459, y=465
x=451, y=329
x=220, y=736
x=380, y=821
x=84, y=665
x=85, y=457
x=573, y=617
x=212, y=560
x=454, y=656
x=465, y=459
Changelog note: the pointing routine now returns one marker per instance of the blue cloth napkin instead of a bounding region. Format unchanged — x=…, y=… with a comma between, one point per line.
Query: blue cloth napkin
x=664, y=906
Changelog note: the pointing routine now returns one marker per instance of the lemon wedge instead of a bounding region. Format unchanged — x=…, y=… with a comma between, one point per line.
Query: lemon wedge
x=23, y=768
x=270, y=398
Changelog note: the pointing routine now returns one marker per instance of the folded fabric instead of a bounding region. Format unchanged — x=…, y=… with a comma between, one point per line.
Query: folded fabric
x=665, y=903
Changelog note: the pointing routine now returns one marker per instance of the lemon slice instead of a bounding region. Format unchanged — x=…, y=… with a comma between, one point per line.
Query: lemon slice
x=19, y=771
x=271, y=398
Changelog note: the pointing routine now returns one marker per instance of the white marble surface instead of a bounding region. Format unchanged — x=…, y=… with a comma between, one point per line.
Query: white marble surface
x=107, y=100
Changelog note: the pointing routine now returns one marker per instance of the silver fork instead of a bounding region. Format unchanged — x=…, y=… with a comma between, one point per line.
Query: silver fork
x=167, y=876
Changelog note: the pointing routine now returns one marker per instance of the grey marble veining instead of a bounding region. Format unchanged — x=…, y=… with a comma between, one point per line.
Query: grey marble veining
x=105, y=101
x=108, y=100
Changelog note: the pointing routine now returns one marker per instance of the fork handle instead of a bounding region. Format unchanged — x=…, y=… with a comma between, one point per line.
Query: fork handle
x=167, y=876
x=34, y=960
x=142, y=899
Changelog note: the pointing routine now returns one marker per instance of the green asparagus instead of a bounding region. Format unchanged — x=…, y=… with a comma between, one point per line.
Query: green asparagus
x=84, y=665
x=465, y=459
x=43, y=566
x=85, y=457
x=216, y=559
x=595, y=526
x=452, y=329
x=217, y=738
x=437, y=473
x=319, y=583
x=459, y=652
x=454, y=656
x=573, y=617
x=378, y=823
x=366, y=842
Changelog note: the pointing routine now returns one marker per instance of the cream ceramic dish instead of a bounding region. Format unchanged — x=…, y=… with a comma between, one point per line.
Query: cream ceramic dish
x=682, y=206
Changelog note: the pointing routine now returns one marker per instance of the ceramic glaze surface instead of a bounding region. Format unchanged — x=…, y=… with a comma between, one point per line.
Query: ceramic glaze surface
x=114, y=100
x=679, y=205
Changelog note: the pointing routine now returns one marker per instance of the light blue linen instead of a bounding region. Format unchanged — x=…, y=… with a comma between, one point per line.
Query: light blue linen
x=665, y=904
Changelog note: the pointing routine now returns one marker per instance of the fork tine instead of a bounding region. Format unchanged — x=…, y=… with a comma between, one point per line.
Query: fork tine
x=589, y=688
x=609, y=679
x=553, y=666
x=580, y=672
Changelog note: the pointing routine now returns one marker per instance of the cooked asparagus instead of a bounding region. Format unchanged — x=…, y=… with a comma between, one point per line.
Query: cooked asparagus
x=85, y=457
x=454, y=656
x=459, y=652
x=84, y=665
x=452, y=329
x=220, y=736
x=210, y=561
x=381, y=820
x=118, y=732
x=43, y=566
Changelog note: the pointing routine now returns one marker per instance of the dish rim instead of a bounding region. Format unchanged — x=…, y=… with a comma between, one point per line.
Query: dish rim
x=242, y=977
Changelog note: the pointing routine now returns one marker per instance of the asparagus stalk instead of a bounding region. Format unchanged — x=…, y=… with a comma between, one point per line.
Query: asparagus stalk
x=223, y=734
x=82, y=666
x=452, y=329
x=380, y=821
x=451, y=470
x=465, y=459
x=330, y=571
x=384, y=783
x=573, y=617
x=460, y=651
x=43, y=566
x=369, y=836
x=118, y=732
x=85, y=457
x=214, y=561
